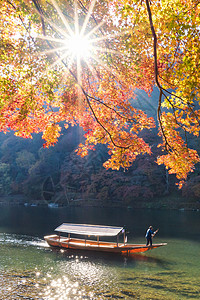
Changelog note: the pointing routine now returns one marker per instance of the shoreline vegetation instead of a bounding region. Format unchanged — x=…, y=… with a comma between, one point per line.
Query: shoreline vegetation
x=165, y=202
x=57, y=176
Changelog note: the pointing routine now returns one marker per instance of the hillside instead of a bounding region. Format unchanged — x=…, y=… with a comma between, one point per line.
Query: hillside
x=58, y=175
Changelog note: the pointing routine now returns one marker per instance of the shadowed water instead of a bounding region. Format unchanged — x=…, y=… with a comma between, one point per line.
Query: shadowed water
x=29, y=269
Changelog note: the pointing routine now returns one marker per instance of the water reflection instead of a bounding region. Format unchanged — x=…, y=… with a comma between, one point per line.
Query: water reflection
x=62, y=274
x=84, y=256
x=40, y=221
x=60, y=289
x=64, y=288
x=110, y=258
x=30, y=269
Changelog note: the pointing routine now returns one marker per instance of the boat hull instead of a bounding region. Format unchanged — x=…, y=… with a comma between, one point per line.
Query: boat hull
x=80, y=244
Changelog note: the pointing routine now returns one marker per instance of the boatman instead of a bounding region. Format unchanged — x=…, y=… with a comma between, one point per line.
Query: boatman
x=149, y=234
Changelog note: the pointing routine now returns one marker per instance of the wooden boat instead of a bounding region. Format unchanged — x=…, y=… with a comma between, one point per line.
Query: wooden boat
x=97, y=231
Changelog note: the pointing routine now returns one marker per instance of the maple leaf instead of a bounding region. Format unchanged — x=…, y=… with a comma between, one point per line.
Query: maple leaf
x=47, y=78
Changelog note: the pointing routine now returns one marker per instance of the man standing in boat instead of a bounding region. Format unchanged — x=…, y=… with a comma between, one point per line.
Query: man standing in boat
x=149, y=234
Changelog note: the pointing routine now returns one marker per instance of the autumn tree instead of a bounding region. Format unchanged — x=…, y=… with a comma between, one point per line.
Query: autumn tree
x=81, y=62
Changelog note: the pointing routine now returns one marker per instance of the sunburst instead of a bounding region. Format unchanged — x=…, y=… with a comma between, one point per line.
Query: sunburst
x=76, y=44
x=73, y=43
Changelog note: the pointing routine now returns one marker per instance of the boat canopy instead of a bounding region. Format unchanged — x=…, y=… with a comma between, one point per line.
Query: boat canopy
x=87, y=229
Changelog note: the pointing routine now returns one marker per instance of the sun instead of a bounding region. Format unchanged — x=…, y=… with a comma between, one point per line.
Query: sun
x=79, y=42
x=78, y=46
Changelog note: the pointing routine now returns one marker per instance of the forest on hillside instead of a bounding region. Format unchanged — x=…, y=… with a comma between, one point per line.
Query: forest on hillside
x=57, y=174
x=80, y=101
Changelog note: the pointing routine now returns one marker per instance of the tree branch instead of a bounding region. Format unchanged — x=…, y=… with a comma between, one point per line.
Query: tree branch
x=41, y=13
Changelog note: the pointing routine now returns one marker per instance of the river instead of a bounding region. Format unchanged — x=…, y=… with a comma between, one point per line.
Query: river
x=29, y=269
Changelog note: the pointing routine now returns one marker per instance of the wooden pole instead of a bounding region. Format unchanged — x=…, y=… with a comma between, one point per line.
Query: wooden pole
x=68, y=238
x=124, y=237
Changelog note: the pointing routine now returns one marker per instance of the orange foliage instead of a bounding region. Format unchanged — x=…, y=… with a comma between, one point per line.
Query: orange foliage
x=135, y=45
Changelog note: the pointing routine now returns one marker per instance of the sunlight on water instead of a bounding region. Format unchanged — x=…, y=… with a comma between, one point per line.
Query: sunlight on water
x=58, y=274
x=79, y=276
x=62, y=288
x=30, y=269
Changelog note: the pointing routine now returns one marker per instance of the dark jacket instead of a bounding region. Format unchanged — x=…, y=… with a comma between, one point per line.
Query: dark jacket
x=149, y=233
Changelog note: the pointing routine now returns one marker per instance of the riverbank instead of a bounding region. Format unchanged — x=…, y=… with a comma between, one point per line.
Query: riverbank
x=167, y=202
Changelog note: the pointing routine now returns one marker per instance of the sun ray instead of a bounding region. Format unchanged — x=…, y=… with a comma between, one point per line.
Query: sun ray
x=70, y=31
x=55, y=50
x=107, y=50
x=101, y=63
x=78, y=68
x=52, y=39
x=61, y=31
x=108, y=36
x=61, y=58
x=76, y=22
x=89, y=13
x=72, y=52
x=92, y=31
x=92, y=70
x=51, y=66
x=79, y=78
x=106, y=67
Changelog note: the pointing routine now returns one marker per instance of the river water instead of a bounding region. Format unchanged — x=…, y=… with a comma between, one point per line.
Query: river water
x=29, y=269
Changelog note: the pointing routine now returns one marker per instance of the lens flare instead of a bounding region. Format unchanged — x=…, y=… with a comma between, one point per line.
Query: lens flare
x=78, y=46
